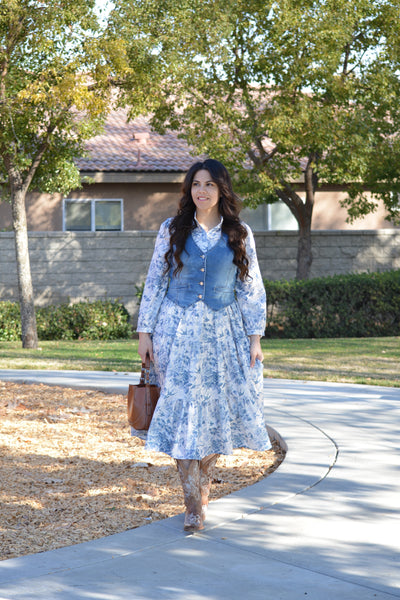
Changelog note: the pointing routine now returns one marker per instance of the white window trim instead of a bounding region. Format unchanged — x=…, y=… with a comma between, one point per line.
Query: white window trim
x=92, y=210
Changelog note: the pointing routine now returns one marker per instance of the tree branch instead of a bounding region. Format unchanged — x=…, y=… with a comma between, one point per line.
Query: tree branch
x=34, y=166
x=3, y=75
x=310, y=176
x=38, y=157
x=347, y=50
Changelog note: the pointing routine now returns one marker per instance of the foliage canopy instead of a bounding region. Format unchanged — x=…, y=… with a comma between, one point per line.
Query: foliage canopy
x=55, y=67
x=54, y=90
x=280, y=91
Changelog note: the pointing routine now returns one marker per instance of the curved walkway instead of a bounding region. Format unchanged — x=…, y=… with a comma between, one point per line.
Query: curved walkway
x=324, y=526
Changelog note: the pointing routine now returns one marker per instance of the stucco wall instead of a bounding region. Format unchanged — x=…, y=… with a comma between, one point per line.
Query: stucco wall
x=147, y=205
x=80, y=266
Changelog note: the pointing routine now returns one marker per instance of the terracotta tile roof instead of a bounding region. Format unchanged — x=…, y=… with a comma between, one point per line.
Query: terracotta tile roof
x=135, y=147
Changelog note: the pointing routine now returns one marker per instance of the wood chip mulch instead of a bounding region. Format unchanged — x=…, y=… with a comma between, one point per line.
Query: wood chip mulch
x=71, y=472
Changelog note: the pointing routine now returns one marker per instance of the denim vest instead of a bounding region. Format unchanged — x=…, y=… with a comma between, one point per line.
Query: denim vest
x=207, y=276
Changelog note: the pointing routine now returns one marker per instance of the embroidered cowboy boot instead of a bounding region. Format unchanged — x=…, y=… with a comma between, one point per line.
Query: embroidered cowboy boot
x=207, y=465
x=189, y=473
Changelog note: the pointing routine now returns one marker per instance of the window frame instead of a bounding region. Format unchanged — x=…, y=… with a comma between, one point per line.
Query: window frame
x=267, y=218
x=92, y=214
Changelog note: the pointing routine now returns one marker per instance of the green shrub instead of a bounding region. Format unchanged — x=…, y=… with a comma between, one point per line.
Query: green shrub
x=10, y=322
x=99, y=320
x=357, y=305
x=139, y=291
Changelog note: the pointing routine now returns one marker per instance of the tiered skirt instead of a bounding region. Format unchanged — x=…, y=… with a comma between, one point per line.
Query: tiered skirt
x=211, y=400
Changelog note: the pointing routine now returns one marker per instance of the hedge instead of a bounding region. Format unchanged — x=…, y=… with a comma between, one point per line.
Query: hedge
x=10, y=322
x=100, y=320
x=356, y=305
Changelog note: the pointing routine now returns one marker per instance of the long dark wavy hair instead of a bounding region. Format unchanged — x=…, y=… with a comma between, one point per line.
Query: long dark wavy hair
x=229, y=207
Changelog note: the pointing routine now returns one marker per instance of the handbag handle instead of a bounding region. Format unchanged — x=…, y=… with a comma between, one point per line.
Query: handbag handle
x=145, y=373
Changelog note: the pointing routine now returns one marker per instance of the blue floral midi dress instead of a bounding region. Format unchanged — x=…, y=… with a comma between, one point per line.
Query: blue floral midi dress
x=211, y=400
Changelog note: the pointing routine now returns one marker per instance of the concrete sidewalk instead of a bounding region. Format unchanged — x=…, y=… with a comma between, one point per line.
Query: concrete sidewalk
x=324, y=526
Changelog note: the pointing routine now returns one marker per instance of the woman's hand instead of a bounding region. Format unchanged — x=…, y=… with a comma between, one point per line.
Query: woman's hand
x=145, y=346
x=255, y=350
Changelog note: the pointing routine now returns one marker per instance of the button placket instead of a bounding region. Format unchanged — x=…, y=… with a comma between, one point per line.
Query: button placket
x=202, y=282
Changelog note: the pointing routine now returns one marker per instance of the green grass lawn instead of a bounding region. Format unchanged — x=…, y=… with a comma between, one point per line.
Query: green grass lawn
x=115, y=355
x=374, y=361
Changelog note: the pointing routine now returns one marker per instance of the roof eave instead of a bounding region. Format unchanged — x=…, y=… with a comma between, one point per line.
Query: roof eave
x=134, y=177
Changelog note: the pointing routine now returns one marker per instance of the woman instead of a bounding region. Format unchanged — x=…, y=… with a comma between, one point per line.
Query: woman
x=201, y=318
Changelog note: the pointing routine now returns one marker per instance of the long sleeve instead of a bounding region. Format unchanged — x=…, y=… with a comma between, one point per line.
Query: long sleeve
x=156, y=283
x=250, y=293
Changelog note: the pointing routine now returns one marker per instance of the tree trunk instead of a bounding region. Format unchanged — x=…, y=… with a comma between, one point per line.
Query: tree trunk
x=302, y=211
x=25, y=289
x=304, y=253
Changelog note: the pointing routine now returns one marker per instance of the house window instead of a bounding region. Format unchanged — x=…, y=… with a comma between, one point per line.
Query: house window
x=269, y=217
x=281, y=218
x=93, y=215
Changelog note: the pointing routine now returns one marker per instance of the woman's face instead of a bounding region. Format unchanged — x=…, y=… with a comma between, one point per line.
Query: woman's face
x=205, y=192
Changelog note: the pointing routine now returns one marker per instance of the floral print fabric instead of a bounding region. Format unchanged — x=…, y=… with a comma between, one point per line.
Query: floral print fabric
x=211, y=400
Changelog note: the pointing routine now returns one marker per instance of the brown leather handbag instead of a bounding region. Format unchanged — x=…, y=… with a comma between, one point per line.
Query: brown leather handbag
x=142, y=399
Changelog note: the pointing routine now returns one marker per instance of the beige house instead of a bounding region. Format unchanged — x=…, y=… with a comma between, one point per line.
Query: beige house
x=136, y=177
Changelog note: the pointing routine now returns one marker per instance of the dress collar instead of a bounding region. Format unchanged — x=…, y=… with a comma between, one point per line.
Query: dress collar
x=216, y=228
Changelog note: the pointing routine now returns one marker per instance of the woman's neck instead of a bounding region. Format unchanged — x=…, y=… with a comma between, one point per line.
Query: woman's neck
x=208, y=220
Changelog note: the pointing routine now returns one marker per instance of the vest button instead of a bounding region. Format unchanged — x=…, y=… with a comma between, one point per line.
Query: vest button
x=202, y=269
x=202, y=256
x=201, y=282
x=200, y=296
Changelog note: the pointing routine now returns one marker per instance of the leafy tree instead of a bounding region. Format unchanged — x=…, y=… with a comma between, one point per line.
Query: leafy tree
x=54, y=91
x=278, y=90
